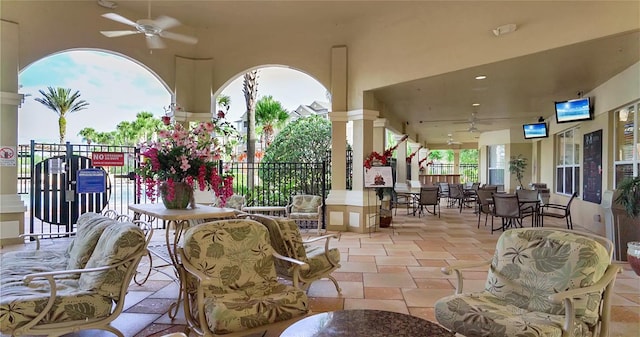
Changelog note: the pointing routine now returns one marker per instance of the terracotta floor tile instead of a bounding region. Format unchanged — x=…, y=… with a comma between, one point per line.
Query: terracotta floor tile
x=388, y=305
x=396, y=260
x=394, y=280
x=382, y=293
x=420, y=297
x=347, y=276
x=322, y=304
x=358, y=258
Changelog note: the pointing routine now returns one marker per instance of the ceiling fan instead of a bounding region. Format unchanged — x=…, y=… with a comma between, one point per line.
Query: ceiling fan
x=153, y=30
x=475, y=120
x=472, y=128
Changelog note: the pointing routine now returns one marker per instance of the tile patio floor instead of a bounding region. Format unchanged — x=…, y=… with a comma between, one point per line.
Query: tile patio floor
x=395, y=269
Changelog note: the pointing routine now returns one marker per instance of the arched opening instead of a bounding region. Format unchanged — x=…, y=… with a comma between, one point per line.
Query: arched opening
x=115, y=86
x=299, y=94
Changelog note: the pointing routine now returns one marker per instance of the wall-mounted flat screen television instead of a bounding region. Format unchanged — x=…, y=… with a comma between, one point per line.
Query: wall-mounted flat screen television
x=535, y=130
x=574, y=110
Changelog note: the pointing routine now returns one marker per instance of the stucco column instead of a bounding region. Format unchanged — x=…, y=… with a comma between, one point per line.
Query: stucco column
x=401, y=165
x=379, y=135
x=359, y=210
x=193, y=88
x=338, y=149
x=11, y=206
x=415, y=167
x=456, y=161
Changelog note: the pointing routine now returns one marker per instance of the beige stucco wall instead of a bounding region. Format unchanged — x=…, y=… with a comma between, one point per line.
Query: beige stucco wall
x=620, y=90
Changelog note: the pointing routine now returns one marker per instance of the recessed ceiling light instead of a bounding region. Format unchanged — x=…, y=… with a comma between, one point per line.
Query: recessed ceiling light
x=475, y=104
x=481, y=77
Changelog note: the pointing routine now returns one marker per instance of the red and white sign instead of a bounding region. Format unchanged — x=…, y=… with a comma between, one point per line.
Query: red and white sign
x=107, y=158
x=7, y=155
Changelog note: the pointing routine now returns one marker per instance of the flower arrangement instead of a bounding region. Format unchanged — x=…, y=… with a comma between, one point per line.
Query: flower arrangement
x=184, y=156
x=423, y=168
x=383, y=158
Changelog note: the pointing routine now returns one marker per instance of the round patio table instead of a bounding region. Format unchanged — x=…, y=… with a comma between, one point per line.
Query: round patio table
x=364, y=323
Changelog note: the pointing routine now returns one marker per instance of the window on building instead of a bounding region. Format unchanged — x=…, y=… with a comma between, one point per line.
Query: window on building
x=627, y=142
x=496, y=164
x=568, y=162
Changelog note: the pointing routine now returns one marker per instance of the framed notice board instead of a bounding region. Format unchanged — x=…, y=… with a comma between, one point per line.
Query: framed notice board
x=592, y=167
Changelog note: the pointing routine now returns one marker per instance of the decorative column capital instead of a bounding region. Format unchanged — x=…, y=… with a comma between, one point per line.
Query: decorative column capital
x=10, y=98
x=362, y=114
x=339, y=116
x=380, y=123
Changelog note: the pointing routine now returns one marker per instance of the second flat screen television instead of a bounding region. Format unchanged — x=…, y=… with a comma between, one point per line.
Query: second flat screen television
x=535, y=130
x=573, y=110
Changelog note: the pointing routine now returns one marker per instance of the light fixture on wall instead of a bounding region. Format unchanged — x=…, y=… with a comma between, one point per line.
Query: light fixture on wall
x=505, y=29
x=623, y=115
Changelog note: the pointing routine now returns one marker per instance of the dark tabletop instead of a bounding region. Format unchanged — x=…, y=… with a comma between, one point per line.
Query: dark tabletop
x=364, y=323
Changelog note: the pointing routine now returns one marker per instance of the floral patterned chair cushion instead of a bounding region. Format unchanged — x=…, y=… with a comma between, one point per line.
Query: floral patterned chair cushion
x=237, y=280
x=236, y=202
x=286, y=240
x=119, y=242
x=17, y=264
x=529, y=265
x=77, y=300
x=322, y=260
x=90, y=227
x=304, y=206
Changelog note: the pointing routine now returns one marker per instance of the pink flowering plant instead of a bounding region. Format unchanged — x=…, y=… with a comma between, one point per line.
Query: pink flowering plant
x=188, y=156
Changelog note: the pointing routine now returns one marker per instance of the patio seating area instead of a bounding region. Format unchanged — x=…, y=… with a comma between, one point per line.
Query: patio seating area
x=393, y=269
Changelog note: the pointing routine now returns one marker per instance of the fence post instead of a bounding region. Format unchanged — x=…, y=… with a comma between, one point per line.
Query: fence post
x=324, y=190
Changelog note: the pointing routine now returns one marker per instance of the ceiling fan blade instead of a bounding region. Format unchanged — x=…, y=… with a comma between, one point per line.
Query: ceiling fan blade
x=155, y=42
x=166, y=22
x=119, y=18
x=179, y=37
x=116, y=33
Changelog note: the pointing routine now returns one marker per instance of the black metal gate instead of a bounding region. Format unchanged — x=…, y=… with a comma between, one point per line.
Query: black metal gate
x=53, y=195
x=54, y=199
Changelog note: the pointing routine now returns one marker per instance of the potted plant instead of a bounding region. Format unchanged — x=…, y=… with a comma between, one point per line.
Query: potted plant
x=517, y=165
x=628, y=198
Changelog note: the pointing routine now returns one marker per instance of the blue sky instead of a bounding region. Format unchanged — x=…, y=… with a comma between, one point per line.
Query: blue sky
x=117, y=89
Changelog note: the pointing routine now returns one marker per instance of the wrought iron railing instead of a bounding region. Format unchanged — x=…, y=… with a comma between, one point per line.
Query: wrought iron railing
x=468, y=172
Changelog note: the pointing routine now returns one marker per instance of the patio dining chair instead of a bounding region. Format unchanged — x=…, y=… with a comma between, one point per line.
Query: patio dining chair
x=559, y=211
x=485, y=204
x=507, y=207
x=429, y=196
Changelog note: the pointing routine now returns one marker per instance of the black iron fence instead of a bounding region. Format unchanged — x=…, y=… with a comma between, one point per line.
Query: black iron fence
x=47, y=175
x=468, y=172
x=272, y=184
x=51, y=189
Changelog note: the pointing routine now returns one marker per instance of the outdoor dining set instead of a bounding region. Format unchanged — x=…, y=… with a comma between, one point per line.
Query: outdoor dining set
x=487, y=200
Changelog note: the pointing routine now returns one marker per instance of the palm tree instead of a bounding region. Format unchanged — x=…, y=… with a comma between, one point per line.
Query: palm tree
x=224, y=101
x=62, y=102
x=145, y=126
x=250, y=90
x=88, y=135
x=270, y=115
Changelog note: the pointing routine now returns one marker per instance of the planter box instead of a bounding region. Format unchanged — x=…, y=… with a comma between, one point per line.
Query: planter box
x=625, y=230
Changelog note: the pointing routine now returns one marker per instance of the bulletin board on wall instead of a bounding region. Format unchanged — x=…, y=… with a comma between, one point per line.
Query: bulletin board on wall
x=592, y=167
